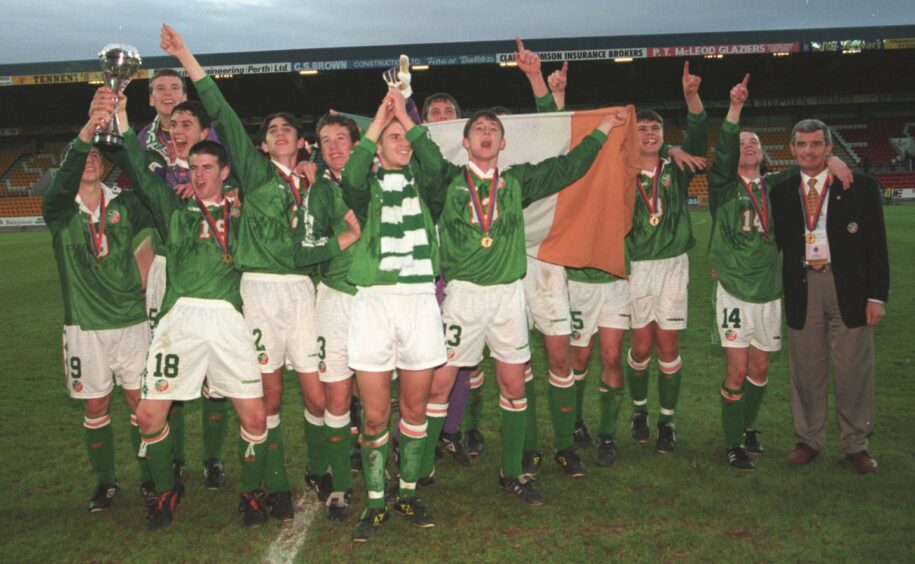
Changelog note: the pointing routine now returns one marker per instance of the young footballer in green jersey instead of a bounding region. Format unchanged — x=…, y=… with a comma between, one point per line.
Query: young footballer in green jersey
x=547, y=294
x=278, y=296
x=200, y=333
x=483, y=260
x=105, y=334
x=659, y=275
x=325, y=237
x=746, y=265
x=187, y=123
x=395, y=320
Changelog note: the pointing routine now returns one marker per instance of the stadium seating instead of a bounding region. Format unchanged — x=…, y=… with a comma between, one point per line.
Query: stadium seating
x=872, y=139
x=27, y=206
x=897, y=179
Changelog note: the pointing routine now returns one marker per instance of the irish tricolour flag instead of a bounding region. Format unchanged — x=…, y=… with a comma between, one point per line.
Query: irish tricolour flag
x=585, y=224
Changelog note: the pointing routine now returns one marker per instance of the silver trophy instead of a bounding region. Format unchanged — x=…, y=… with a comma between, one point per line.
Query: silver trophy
x=119, y=65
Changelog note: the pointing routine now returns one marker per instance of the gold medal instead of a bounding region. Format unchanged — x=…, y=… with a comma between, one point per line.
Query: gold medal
x=654, y=221
x=766, y=237
x=486, y=241
x=811, y=238
x=227, y=258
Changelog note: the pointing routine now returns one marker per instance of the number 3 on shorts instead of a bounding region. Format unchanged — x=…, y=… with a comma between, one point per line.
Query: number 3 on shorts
x=455, y=339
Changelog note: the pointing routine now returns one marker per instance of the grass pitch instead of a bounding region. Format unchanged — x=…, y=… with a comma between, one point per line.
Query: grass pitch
x=686, y=506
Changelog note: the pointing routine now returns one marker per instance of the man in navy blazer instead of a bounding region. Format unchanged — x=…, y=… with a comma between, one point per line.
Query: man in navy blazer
x=836, y=282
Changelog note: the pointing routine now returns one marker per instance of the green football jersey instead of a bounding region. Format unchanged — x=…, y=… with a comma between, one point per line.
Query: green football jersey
x=265, y=239
x=104, y=292
x=741, y=249
x=590, y=275
x=316, y=234
x=500, y=256
x=198, y=267
x=393, y=207
x=673, y=235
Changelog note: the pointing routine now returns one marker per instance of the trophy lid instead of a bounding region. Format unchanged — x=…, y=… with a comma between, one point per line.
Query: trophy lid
x=119, y=55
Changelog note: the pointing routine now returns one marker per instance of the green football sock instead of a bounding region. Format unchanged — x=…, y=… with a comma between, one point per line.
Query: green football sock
x=316, y=441
x=669, y=388
x=580, y=379
x=253, y=455
x=435, y=419
x=531, y=434
x=474, y=409
x=100, y=447
x=176, y=424
x=732, y=415
x=274, y=470
x=637, y=378
x=159, y=451
x=513, y=422
x=752, y=401
x=339, y=441
x=215, y=415
x=374, y=457
x=610, y=401
x=135, y=443
x=561, y=399
x=414, y=440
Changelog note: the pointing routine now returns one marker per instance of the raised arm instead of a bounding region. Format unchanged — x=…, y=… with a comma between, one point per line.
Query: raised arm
x=355, y=181
x=691, y=84
x=58, y=202
x=252, y=169
x=723, y=173
x=557, y=81
x=529, y=63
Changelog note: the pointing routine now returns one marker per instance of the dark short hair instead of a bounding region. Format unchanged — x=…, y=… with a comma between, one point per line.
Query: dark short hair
x=208, y=147
x=166, y=72
x=440, y=97
x=337, y=119
x=501, y=110
x=811, y=126
x=649, y=115
x=287, y=117
x=488, y=115
x=196, y=109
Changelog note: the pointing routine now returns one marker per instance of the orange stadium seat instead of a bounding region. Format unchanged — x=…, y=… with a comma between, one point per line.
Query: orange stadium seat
x=20, y=207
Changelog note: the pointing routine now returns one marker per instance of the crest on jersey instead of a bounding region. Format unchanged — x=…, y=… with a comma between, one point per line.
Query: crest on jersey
x=77, y=386
x=114, y=216
x=576, y=335
x=322, y=367
x=730, y=335
x=451, y=353
x=263, y=358
x=665, y=180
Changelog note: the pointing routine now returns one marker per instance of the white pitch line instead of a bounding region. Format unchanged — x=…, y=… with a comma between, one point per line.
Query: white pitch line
x=287, y=544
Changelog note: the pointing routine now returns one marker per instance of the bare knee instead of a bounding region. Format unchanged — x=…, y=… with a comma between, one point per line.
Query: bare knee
x=97, y=407
x=132, y=397
x=253, y=418
x=374, y=421
x=338, y=397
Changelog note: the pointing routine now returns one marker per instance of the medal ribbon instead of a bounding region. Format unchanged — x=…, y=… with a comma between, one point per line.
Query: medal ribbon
x=296, y=194
x=485, y=217
x=813, y=220
x=165, y=141
x=97, y=237
x=651, y=204
x=222, y=240
x=761, y=206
